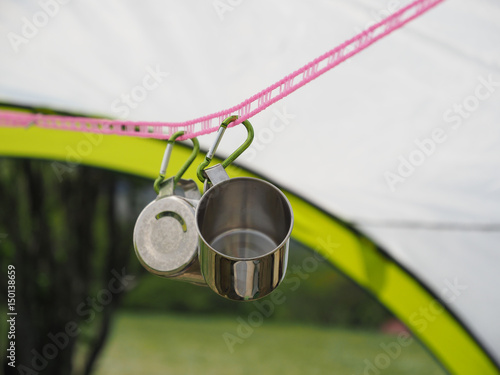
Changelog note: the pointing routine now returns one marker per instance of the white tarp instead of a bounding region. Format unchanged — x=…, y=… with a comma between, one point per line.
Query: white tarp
x=403, y=139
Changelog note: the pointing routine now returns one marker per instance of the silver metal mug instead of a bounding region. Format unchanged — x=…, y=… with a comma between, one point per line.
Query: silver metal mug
x=244, y=226
x=165, y=237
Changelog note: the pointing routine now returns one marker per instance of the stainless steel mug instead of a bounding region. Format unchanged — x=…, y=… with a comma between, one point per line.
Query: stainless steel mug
x=165, y=237
x=244, y=225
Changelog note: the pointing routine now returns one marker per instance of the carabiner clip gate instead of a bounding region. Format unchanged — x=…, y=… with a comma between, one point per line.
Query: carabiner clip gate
x=166, y=159
x=234, y=155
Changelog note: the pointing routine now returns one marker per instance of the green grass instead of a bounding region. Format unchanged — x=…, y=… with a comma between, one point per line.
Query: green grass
x=164, y=344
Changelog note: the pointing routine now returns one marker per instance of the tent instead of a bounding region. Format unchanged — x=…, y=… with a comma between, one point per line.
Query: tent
x=390, y=160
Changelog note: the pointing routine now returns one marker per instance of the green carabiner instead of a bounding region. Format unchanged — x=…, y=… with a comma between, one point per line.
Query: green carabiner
x=166, y=158
x=234, y=155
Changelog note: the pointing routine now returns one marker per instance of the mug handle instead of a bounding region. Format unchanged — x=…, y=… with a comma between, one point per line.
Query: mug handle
x=215, y=175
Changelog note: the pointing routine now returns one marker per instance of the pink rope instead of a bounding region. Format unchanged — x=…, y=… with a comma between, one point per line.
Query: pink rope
x=246, y=109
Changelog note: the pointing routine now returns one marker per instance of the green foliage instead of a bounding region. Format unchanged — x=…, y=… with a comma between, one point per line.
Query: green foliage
x=64, y=234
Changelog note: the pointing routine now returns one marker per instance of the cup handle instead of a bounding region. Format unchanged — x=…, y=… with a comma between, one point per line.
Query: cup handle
x=215, y=175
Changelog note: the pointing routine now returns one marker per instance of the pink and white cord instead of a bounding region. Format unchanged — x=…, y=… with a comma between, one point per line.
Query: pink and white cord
x=244, y=110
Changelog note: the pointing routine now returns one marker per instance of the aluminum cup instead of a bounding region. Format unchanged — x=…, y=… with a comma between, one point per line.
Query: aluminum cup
x=165, y=237
x=244, y=226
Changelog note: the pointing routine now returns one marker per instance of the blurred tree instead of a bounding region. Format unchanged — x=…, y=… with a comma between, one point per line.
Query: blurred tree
x=67, y=242
x=71, y=243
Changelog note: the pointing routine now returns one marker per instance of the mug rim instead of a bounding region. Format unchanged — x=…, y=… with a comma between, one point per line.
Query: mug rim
x=277, y=248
